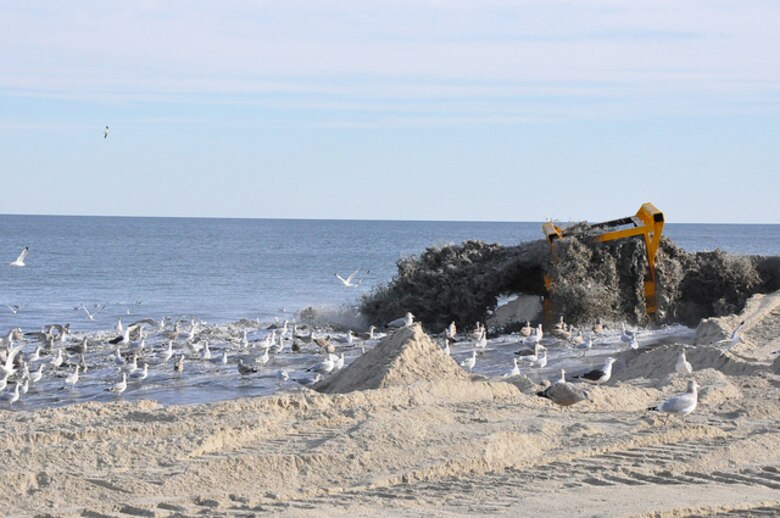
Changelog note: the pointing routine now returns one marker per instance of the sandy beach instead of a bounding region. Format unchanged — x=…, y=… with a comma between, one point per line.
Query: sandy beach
x=429, y=440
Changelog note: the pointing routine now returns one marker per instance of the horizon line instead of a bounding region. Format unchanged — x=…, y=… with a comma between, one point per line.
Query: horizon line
x=378, y=220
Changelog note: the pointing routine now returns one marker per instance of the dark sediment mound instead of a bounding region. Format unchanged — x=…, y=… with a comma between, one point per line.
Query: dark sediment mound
x=458, y=282
x=403, y=358
x=591, y=280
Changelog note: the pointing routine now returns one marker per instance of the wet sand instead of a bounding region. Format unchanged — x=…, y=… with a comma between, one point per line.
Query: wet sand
x=441, y=446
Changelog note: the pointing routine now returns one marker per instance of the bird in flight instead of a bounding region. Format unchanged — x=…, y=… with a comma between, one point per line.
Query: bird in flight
x=105, y=133
x=20, y=260
x=348, y=281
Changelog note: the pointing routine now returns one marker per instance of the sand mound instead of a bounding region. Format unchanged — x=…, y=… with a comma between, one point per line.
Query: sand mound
x=405, y=357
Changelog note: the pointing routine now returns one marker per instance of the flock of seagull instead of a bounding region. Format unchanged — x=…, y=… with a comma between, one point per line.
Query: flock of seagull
x=564, y=393
x=62, y=353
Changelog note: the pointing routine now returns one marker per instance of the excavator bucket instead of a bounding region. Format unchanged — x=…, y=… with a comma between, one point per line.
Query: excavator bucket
x=648, y=222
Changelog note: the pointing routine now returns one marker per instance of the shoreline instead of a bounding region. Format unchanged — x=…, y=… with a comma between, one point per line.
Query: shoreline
x=438, y=446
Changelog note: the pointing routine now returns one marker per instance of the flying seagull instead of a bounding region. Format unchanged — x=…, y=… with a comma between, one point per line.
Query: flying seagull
x=20, y=260
x=105, y=133
x=348, y=281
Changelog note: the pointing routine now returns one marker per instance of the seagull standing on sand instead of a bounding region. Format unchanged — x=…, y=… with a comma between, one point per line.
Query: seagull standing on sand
x=405, y=321
x=599, y=375
x=348, y=281
x=564, y=394
x=20, y=260
x=681, y=404
x=733, y=340
x=683, y=366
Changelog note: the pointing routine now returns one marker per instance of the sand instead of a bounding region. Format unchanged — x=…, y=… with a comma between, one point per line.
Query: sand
x=410, y=441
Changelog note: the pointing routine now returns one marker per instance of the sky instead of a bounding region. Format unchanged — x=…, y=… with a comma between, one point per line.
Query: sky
x=425, y=110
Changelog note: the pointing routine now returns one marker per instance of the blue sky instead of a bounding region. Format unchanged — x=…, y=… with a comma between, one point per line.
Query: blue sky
x=511, y=111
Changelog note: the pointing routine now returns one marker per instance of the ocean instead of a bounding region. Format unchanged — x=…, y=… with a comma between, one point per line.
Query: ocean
x=222, y=270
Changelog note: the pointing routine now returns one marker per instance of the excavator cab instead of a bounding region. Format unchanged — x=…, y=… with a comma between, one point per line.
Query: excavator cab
x=647, y=222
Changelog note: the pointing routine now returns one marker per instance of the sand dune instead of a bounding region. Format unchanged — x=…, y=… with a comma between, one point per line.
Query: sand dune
x=412, y=441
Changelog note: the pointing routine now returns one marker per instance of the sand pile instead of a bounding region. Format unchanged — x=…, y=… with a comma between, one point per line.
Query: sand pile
x=591, y=280
x=403, y=358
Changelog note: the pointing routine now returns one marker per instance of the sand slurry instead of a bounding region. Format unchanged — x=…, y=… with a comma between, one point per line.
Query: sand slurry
x=414, y=438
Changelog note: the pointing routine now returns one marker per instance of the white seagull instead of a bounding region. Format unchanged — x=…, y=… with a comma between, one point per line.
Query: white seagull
x=20, y=260
x=120, y=386
x=682, y=404
x=733, y=340
x=683, y=366
x=348, y=281
x=470, y=362
x=405, y=321
x=73, y=378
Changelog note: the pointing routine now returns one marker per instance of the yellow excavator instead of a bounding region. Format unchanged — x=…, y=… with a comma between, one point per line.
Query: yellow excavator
x=647, y=222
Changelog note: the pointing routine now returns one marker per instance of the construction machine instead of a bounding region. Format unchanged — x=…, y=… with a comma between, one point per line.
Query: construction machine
x=648, y=222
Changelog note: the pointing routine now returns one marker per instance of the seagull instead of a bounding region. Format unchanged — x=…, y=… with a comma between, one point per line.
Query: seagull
x=263, y=358
x=338, y=363
x=682, y=404
x=447, y=346
x=600, y=375
x=20, y=260
x=206, y=354
x=73, y=378
x=470, y=362
x=542, y=361
x=530, y=356
x=564, y=394
x=598, y=327
x=141, y=374
x=119, y=329
x=120, y=386
x=405, y=321
x=348, y=281
x=9, y=367
x=563, y=375
x=324, y=367
x=79, y=348
x=633, y=344
x=122, y=339
x=536, y=337
x=282, y=375
x=585, y=346
x=733, y=340
x=451, y=330
x=168, y=354
x=15, y=308
x=91, y=316
x=26, y=386
x=481, y=343
x=245, y=370
x=683, y=366
x=626, y=336
x=526, y=329
x=13, y=397
x=57, y=360
x=179, y=367
x=515, y=370
x=36, y=376
x=105, y=133
x=224, y=358
x=309, y=380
